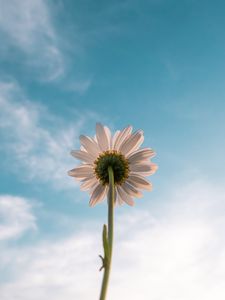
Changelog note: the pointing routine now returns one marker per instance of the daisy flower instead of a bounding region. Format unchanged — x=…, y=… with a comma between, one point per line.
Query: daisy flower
x=122, y=152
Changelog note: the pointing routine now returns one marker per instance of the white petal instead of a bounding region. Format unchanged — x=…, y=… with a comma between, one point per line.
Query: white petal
x=90, y=145
x=122, y=137
x=132, y=143
x=92, y=175
x=108, y=133
x=93, y=187
x=103, y=137
x=140, y=155
x=139, y=182
x=130, y=190
x=124, y=197
x=88, y=183
x=81, y=172
x=117, y=198
x=144, y=169
x=98, y=194
x=115, y=138
x=83, y=155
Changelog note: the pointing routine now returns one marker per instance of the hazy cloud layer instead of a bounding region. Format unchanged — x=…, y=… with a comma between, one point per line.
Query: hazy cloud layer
x=16, y=217
x=178, y=253
x=37, y=142
x=26, y=25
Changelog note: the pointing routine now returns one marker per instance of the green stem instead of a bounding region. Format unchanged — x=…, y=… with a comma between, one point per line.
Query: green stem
x=111, y=198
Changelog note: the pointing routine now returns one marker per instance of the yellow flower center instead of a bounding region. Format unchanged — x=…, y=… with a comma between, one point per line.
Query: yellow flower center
x=117, y=161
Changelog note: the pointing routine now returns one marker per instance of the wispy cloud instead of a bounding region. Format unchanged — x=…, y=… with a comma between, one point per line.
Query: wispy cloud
x=37, y=142
x=80, y=86
x=27, y=26
x=175, y=252
x=16, y=217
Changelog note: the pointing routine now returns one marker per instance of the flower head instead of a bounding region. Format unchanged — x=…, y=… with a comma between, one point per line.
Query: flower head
x=121, y=151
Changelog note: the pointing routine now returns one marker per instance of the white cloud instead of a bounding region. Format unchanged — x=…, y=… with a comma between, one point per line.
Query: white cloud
x=53, y=270
x=27, y=25
x=80, y=86
x=175, y=252
x=15, y=217
x=178, y=255
x=37, y=142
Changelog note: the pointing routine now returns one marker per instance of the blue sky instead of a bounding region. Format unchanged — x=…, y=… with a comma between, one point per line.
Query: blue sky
x=157, y=65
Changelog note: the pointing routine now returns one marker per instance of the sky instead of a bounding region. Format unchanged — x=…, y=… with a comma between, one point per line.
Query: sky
x=156, y=65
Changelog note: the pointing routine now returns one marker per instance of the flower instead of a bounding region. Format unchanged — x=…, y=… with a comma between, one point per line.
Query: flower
x=121, y=151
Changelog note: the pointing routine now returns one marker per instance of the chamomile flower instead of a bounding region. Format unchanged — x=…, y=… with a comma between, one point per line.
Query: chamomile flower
x=122, y=152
